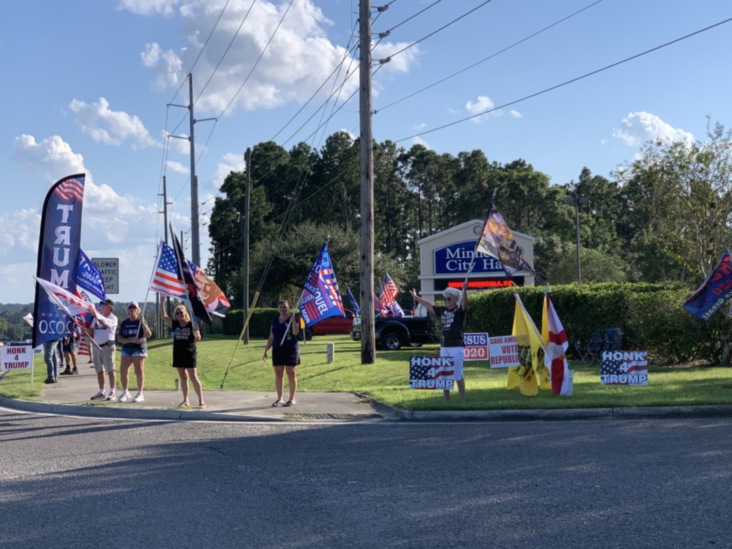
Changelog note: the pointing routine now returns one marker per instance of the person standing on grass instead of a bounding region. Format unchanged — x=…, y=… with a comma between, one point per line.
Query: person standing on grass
x=133, y=334
x=185, y=334
x=452, y=316
x=285, y=351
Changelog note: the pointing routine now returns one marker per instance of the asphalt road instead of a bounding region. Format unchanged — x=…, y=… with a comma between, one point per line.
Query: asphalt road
x=84, y=482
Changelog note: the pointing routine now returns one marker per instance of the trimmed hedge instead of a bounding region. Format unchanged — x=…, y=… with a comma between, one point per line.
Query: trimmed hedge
x=651, y=317
x=259, y=324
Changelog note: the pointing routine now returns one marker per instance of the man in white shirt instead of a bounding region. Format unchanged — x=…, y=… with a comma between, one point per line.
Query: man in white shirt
x=103, y=329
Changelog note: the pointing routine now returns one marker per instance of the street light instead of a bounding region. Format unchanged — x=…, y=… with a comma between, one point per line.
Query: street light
x=577, y=200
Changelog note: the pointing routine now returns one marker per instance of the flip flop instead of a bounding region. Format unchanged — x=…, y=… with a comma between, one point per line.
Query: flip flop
x=290, y=403
x=277, y=403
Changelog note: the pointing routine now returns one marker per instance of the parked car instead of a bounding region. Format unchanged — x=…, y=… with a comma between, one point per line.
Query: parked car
x=394, y=332
x=333, y=325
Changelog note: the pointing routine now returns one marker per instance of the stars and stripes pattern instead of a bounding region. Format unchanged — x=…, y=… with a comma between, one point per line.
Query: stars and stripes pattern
x=389, y=292
x=71, y=189
x=166, y=278
x=321, y=297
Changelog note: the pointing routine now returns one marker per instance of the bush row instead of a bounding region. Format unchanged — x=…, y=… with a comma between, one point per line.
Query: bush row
x=651, y=317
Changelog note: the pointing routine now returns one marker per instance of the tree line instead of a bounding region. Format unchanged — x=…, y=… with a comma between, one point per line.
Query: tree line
x=663, y=217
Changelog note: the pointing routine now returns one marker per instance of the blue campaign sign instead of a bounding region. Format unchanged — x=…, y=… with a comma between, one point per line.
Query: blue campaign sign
x=456, y=259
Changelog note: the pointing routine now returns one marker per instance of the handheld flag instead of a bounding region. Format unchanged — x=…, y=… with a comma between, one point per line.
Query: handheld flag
x=354, y=303
x=531, y=374
x=71, y=304
x=389, y=292
x=89, y=278
x=716, y=290
x=556, y=343
x=58, y=254
x=166, y=278
x=191, y=290
x=321, y=298
x=497, y=241
x=211, y=295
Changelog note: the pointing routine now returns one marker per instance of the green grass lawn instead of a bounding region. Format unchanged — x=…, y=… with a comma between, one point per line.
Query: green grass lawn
x=388, y=379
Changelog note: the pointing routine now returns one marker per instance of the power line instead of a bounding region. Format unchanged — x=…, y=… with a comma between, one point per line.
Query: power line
x=488, y=58
x=567, y=82
x=420, y=12
x=443, y=27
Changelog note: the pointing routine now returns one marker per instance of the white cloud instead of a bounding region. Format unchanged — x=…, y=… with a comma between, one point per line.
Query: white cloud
x=110, y=127
x=109, y=219
x=230, y=162
x=149, y=7
x=177, y=167
x=482, y=104
x=515, y=114
x=296, y=63
x=420, y=141
x=639, y=127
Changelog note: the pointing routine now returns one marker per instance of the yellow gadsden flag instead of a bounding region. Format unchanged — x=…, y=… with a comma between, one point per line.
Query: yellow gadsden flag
x=532, y=373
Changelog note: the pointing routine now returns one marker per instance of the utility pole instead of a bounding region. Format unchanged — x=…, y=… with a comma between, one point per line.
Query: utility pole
x=245, y=230
x=368, y=336
x=159, y=328
x=195, y=243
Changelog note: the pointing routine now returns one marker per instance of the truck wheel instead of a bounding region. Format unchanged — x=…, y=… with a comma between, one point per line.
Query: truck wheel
x=413, y=344
x=391, y=342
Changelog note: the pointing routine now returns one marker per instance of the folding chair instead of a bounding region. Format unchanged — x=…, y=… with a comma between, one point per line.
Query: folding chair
x=596, y=346
x=581, y=349
x=613, y=339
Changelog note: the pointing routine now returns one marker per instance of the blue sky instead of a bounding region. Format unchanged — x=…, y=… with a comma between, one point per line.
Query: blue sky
x=88, y=84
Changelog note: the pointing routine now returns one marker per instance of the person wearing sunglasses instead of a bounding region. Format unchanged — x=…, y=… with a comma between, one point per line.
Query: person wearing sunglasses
x=452, y=317
x=185, y=334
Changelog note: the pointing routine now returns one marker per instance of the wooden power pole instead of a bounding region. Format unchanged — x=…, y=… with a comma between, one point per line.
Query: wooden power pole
x=368, y=336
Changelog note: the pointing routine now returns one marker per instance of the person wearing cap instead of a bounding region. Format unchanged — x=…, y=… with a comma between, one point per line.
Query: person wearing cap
x=132, y=336
x=452, y=316
x=102, y=330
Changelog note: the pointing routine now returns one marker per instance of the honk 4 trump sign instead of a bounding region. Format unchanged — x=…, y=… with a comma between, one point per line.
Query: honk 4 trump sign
x=16, y=356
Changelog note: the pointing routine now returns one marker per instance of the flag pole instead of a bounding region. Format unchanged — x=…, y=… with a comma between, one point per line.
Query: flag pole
x=147, y=293
x=182, y=277
x=61, y=305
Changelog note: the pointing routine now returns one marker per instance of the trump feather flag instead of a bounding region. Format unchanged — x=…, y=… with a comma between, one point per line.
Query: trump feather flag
x=58, y=255
x=320, y=296
x=532, y=374
x=556, y=344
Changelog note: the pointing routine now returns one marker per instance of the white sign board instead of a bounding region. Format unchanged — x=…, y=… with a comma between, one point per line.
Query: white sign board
x=504, y=352
x=16, y=356
x=624, y=368
x=109, y=268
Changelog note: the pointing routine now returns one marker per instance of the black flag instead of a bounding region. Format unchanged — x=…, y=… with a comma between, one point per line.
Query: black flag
x=199, y=309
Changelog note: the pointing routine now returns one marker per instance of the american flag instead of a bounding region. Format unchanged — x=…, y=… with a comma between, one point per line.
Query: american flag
x=389, y=292
x=71, y=189
x=166, y=279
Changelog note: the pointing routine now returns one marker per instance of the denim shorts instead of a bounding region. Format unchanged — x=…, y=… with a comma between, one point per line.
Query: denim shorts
x=134, y=351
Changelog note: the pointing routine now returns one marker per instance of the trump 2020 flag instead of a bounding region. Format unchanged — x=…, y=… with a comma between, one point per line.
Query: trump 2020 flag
x=320, y=296
x=89, y=278
x=58, y=255
x=711, y=296
x=556, y=343
x=532, y=373
x=497, y=240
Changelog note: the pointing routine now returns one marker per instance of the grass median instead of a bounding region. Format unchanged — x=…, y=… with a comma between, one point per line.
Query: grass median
x=387, y=380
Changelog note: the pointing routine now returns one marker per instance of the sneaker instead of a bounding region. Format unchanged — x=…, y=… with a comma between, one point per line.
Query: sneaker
x=66, y=372
x=139, y=397
x=110, y=396
x=98, y=396
x=75, y=371
x=124, y=397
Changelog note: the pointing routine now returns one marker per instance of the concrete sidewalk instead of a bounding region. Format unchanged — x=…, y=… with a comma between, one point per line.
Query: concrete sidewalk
x=72, y=394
